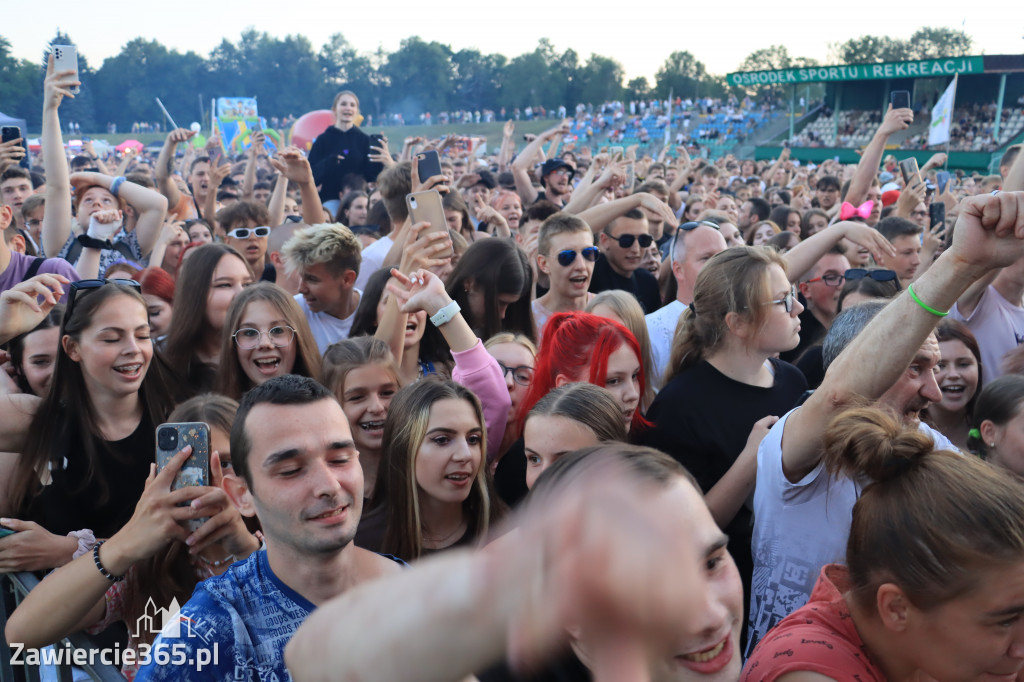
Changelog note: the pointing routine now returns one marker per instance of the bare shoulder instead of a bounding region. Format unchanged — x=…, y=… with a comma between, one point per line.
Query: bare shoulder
x=373, y=565
x=804, y=676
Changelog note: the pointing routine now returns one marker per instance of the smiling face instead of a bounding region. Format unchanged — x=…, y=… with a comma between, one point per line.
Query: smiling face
x=345, y=111
x=115, y=350
x=323, y=290
x=39, y=352
x=365, y=398
x=957, y=375
x=548, y=437
x=307, y=485
x=450, y=456
x=266, y=360
x=511, y=209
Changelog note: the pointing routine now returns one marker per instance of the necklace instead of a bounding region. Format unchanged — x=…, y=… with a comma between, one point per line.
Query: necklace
x=442, y=542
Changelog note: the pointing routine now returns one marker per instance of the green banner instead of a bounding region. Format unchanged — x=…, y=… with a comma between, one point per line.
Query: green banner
x=925, y=68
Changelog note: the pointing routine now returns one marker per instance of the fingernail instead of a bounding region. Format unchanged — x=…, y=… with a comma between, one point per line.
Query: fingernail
x=190, y=540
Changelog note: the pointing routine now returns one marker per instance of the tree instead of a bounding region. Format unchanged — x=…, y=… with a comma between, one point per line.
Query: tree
x=767, y=59
x=638, y=88
x=681, y=75
x=477, y=79
x=872, y=49
x=937, y=42
x=21, y=89
x=602, y=81
x=420, y=75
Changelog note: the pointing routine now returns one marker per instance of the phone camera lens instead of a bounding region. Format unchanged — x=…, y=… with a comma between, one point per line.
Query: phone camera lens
x=167, y=439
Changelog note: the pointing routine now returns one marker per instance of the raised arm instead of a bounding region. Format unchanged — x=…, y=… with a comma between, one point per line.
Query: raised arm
x=57, y=219
x=895, y=120
x=165, y=165
x=767, y=176
x=524, y=161
x=276, y=204
x=989, y=235
x=293, y=165
x=507, y=144
x=251, y=157
x=802, y=257
x=598, y=217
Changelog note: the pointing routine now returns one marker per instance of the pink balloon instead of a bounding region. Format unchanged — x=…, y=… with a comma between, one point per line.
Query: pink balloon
x=309, y=126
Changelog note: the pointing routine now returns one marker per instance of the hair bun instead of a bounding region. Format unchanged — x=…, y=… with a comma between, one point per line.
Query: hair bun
x=870, y=442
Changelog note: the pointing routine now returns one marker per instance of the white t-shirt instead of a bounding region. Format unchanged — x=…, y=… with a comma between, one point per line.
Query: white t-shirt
x=798, y=528
x=661, y=327
x=327, y=329
x=998, y=325
x=372, y=258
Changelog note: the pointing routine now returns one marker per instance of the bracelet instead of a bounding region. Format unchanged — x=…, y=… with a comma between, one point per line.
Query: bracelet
x=933, y=311
x=99, y=564
x=86, y=540
x=115, y=186
x=445, y=314
x=93, y=243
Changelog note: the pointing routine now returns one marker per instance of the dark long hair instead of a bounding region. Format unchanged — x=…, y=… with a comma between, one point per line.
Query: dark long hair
x=68, y=407
x=16, y=346
x=497, y=266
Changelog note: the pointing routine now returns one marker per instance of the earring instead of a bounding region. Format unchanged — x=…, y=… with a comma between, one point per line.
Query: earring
x=992, y=444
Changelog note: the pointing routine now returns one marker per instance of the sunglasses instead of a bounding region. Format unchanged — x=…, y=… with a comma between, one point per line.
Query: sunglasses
x=243, y=232
x=83, y=286
x=568, y=256
x=626, y=240
x=687, y=227
x=522, y=374
x=877, y=275
x=248, y=338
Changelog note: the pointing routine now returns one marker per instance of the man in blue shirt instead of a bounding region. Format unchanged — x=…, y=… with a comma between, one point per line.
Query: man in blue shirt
x=297, y=470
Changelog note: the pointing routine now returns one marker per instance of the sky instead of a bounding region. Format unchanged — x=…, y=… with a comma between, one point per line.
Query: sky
x=640, y=35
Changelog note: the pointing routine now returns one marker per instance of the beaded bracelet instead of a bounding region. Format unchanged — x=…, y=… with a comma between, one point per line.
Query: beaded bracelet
x=933, y=311
x=100, y=567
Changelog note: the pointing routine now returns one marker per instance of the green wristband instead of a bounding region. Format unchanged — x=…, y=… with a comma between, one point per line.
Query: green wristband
x=933, y=311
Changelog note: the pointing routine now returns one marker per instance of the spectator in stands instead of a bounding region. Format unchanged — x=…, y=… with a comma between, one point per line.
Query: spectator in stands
x=618, y=265
x=342, y=149
x=327, y=259
x=906, y=239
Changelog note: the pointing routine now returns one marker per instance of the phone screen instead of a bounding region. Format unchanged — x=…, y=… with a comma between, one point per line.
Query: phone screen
x=900, y=99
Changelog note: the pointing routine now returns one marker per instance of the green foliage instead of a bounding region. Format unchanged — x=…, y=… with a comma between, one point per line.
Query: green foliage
x=681, y=75
x=926, y=43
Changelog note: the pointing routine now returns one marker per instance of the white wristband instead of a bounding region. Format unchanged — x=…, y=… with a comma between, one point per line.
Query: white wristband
x=445, y=314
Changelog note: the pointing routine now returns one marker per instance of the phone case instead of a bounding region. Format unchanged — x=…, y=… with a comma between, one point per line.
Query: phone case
x=196, y=469
x=65, y=58
x=900, y=99
x=909, y=169
x=10, y=133
x=426, y=207
x=428, y=164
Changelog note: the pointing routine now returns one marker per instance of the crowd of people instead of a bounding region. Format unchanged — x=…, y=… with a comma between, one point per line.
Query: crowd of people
x=616, y=417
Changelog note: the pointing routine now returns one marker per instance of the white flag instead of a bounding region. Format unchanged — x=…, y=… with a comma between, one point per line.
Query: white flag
x=942, y=116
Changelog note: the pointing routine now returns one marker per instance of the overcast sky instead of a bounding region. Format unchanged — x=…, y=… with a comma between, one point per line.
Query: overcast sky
x=640, y=35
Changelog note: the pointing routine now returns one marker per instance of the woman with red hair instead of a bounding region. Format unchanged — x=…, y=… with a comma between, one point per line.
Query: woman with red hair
x=158, y=290
x=578, y=346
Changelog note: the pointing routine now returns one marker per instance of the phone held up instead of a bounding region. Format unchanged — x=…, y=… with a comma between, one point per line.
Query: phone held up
x=170, y=439
x=9, y=133
x=900, y=99
x=428, y=164
x=65, y=58
x=909, y=170
x=426, y=207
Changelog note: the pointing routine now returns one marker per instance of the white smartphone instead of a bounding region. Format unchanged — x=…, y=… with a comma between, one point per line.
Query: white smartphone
x=65, y=58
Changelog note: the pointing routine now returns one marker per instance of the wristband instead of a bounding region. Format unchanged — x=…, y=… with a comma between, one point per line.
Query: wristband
x=933, y=311
x=115, y=186
x=93, y=243
x=445, y=314
x=100, y=567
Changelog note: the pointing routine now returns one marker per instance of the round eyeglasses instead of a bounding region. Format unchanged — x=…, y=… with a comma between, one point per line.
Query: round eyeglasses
x=248, y=338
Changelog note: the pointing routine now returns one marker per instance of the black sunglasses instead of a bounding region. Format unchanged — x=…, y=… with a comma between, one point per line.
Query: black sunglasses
x=877, y=275
x=568, y=256
x=79, y=288
x=626, y=240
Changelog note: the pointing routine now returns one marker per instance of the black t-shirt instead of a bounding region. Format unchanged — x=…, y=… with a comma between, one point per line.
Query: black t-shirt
x=510, y=475
x=703, y=418
x=328, y=170
x=811, y=332
x=642, y=284
x=75, y=499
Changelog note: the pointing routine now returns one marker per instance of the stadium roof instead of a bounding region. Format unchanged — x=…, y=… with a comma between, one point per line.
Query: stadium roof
x=921, y=68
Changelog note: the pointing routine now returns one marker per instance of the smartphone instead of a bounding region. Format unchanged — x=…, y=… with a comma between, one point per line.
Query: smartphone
x=428, y=164
x=612, y=151
x=13, y=133
x=377, y=138
x=215, y=157
x=170, y=439
x=943, y=179
x=900, y=99
x=426, y=207
x=936, y=214
x=910, y=171
x=65, y=58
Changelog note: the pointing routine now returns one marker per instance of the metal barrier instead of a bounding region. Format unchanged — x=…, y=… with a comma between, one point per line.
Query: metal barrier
x=13, y=588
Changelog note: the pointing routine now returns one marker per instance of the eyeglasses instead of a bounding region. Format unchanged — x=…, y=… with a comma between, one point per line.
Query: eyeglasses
x=522, y=374
x=786, y=301
x=79, y=288
x=626, y=240
x=243, y=232
x=832, y=279
x=33, y=223
x=878, y=275
x=568, y=256
x=248, y=338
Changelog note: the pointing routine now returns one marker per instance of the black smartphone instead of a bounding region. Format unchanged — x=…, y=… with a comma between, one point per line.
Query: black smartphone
x=428, y=164
x=900, y=99
x=936, y=214
x=376, y=139
x=13, y=133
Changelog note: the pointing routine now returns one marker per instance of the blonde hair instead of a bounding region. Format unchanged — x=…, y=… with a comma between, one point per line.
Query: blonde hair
x=329, y=243
x=350, y=354
x=628, y=310
x=733, y=281
x=510, y=337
